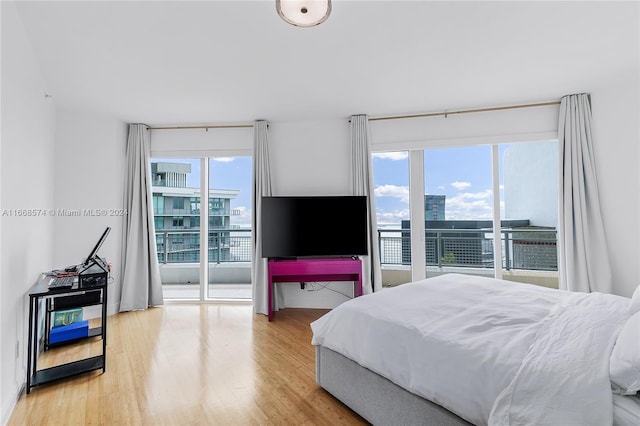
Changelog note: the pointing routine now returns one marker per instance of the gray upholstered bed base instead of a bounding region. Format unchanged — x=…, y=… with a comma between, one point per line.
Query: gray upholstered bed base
x=378, y=400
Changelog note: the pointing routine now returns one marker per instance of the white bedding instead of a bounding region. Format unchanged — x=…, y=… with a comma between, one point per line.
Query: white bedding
x=626, y=410
x=464, y=341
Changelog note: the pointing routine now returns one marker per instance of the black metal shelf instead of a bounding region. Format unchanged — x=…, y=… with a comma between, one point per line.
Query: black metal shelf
x=76, y=297
x=70, y=369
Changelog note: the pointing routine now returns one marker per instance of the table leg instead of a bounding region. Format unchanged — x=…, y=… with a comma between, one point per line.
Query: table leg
x=270, y=297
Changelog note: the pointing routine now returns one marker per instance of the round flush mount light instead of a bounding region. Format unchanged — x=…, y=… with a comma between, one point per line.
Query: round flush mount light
x=304, y=13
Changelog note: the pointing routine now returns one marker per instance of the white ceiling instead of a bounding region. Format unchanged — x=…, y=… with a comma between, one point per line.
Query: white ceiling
x=219, y=62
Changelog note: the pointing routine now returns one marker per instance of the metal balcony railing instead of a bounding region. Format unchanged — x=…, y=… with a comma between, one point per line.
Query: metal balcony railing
x=228, y=245
x=522, y=248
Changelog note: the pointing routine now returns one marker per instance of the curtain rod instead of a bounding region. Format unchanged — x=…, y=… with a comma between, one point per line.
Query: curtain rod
x=462, y=111
x=219, y=126
x=388, y=117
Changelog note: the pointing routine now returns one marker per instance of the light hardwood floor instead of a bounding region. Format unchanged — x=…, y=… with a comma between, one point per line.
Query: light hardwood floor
x=210, y=364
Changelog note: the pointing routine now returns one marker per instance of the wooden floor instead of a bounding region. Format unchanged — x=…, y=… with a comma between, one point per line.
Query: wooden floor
x=195, y=364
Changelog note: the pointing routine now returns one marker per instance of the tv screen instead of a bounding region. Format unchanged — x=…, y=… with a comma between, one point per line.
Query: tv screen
x=321, y=226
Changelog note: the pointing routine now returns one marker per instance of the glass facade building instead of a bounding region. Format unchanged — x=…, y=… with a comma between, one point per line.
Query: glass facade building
x=176, y=210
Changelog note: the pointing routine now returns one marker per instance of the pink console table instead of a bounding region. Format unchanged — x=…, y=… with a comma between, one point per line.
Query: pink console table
x=309, y=270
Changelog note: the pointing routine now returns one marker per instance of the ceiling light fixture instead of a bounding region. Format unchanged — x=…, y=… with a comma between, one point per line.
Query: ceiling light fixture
x=304, y=13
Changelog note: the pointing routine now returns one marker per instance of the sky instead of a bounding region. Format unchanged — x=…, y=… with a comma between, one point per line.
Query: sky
x=224, y=173
x=463, y=175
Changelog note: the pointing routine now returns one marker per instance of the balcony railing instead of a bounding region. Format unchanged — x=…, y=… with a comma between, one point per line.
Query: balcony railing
x=522, y=248
x=229, y=245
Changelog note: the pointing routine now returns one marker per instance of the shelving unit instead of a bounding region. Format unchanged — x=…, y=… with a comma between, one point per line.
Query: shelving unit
x=39, y=329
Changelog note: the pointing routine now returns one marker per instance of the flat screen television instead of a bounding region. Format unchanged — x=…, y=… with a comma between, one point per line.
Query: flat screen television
x=320, y=226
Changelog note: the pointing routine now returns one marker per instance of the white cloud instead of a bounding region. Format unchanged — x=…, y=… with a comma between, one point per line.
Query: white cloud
x=223, y=159
x=391, y=218
x=401, y=192
x=470, y=206
x=401, y=155
x=460, y=185
x=242, y=219
x=487, y=193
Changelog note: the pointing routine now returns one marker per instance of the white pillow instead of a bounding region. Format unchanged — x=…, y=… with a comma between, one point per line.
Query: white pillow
x=624, y=367
x=635, y=301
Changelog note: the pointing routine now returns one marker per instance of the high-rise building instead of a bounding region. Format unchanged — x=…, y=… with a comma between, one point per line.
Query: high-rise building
x=434, y=206
x=176, y=210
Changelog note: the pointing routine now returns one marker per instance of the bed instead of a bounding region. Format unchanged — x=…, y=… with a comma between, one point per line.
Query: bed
x=459, y=350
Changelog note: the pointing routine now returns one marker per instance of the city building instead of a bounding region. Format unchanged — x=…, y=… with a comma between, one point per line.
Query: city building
x=176, y=210
x=434, y=207
x=470, y=243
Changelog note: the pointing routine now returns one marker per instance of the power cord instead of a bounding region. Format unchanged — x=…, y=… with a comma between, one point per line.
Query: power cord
x=311, y=286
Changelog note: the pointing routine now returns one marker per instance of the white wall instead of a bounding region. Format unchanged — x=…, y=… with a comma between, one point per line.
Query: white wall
x=506, y=126
x=195, y=143
x=310, y=158
x=26, y=154
x=89, y=174
x=616, y=130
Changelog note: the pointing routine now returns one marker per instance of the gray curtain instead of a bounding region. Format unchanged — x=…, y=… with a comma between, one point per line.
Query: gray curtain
x=141, y=284
x=362, y=184
x=261, y=187
x=583, y=260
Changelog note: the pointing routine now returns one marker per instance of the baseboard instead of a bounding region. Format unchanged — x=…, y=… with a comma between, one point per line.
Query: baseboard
x=7, y=411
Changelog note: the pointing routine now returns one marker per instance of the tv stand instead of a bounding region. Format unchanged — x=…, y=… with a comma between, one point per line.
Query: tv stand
x=314, y=269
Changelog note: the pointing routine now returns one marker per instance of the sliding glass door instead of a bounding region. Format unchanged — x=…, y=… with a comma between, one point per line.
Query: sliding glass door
x=202, y=217
x=482, y=210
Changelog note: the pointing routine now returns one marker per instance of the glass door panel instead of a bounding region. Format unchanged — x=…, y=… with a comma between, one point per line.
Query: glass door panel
x=229, y=239
x=529, y=211
x=176, y=197
x=458, y=206
x=391, y=183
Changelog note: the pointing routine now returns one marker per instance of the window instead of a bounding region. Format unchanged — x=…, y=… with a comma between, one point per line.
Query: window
x=462, y=202
x=194, y=204
x=158, y=204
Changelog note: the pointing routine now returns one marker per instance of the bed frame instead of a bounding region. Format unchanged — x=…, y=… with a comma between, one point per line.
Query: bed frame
x=375, y=398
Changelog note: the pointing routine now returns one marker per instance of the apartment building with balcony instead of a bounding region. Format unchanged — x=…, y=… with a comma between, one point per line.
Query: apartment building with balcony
x=177, y=216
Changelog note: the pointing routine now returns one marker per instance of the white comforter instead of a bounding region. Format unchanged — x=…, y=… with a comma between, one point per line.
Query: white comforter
x=491, y=351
